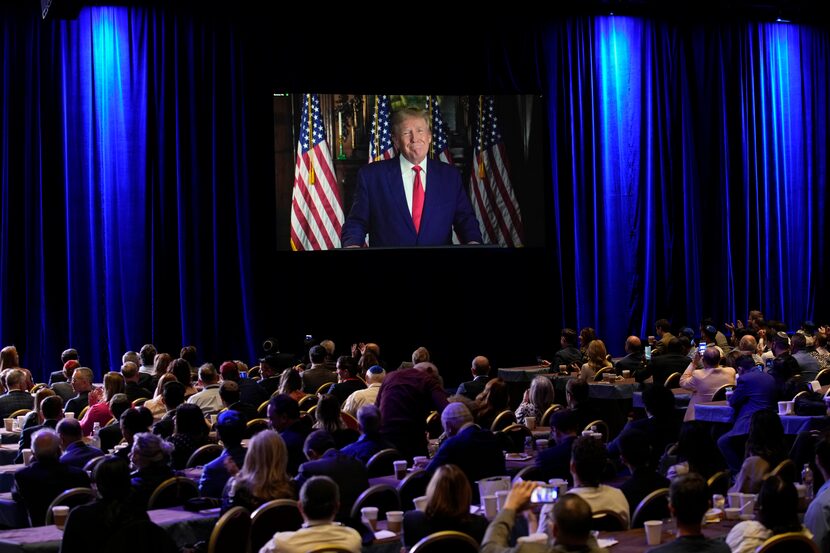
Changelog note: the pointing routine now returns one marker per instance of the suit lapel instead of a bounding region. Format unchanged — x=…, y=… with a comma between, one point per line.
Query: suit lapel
x=432, y=195
x=396, y=192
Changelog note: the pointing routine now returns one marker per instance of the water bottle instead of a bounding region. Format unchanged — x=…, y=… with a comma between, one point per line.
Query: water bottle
x=807, y=480
x=96, y=439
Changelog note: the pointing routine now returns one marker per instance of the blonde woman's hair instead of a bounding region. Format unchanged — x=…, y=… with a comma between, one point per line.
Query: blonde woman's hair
x=113, y=384
x=597, y=354
x=449, y=494
x=264, y=472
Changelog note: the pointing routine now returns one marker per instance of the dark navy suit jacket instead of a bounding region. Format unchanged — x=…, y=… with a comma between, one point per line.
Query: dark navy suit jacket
x=475, y=451
x=754, y=391
x=380, y=209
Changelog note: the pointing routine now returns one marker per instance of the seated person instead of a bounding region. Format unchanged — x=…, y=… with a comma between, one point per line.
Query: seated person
x=37, y=485
x=635, y=454
x=370, y=441
x=555, y=461
x=133, y=421
x=817, y=517
x=328, y=418
x=777, y=514
x=765, y=448
x=51, y=409
x=570, y=530
x=230, y=426
x=576, y=395
x=491, y=402
x=661, y=424
x=696, y=452
x=319, y=503
x=150, y=455
x=262, y=477
x=703, y=382
x=536, y=400
x=75, y=451
x=191, y=433
x=688, y=502
x=448, y=508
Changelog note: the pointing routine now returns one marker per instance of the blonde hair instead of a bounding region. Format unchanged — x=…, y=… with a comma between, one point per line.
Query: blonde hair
x=164, y=379
x=264, y=472
x=113, y=384
x=449, y=494
x=597, y=354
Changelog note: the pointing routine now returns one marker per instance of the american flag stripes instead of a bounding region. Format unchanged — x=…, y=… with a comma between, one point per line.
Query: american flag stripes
x=493, y=198
x=380, y=138
x=440, y=147
x=316, y=209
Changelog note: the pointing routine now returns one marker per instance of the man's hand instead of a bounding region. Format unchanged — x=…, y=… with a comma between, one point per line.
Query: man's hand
x=519, y=497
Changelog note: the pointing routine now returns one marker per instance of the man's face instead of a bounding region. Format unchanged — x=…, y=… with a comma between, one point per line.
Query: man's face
x=278, y=422
x=412, y=139
x=79, y=384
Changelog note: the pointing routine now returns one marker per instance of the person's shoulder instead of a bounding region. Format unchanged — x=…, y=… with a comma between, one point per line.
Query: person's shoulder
x=380, y=166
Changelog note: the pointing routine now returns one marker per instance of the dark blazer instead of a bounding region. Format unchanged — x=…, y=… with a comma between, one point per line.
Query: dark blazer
x=78, y=454
x=643, y=482
x=110, y=436
x=660, y=432
x=349, y=474
x=15, y=400
x=565, y=357
x=416, y=526
x=246, y=410
x=316, y=377
x=631, y=362
x=473, y=387
x=250, y=392
x=269, y=386
x=754, y=390
x=555, y=462
x=476, y=452
x=77, y=404
x=343, y=390
x=380, y=208
x=215, y=475
x=113, y=522
x=294, y=437
x=662, y=366
x=26, y=437
x=365, y=447
x=56, y=376
x=65, y=390
x=37, y=485
x=135, y=391
x=145, y=481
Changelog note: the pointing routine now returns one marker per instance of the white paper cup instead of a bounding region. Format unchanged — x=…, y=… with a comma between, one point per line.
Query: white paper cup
x=27, y=456
x=626, y=373
x=748, y=503
x=420, y=461
x=735, y=500
x=21, y=420
x=9, y=424
x=718, y=501
x=732, y=513
x=69, y=415
x=501, y=497
x=654, y=531
x=541, y=444
x=530, y=422
x=491, y=506
x=370, y=515
x=400, y=469
x=394, y=521
x=421, y=503
x=790, y=408
x=59, y=514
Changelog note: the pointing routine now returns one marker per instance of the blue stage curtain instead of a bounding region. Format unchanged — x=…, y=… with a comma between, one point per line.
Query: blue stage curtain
x=689, y=171
x=135, y=217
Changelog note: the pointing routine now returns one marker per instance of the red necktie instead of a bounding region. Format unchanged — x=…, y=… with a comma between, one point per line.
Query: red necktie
x=417, y=198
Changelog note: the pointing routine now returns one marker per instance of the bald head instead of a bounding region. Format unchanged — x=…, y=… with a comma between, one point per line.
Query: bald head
x=748, y=344
x=454, y=417
x=46, y=444
x=633, y=344
x=481, y=366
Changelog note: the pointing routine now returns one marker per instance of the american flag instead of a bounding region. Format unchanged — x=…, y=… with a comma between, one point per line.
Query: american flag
x=493, y=198
x=380, y=138
x=440, y=147
x=316, y=209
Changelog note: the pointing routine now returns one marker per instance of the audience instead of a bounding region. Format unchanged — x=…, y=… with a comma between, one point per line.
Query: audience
x=132, y=388
x=156, y=404
x=319, y=503
x=327, y=417
x=76, y=452
x=134, y=420
x=250, y=392
x=370, y=441
x=536, y=400
x=229, y=394
x=230, y=427
x=374, y=379
x=208, y=398
x=491, y=402
x=703, y=382
x=51, y=409
x=284, y=417
x=765, y=448
x=817, y=517
x=555, y=461
x=191, y=433
x=110, y=434
x=99, y=409
x=172, y=396
x=635, y=453
x=596, y=360
x=291, y=384
x=696, y=452
x=318, y=373
x=448, y=508
x=347, y=380
x=18, y=396
x=481, y=375
x=81, y=385
x=150, y=455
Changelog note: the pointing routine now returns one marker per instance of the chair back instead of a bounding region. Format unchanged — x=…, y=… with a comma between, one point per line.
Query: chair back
x=513, y=437
x=654, y=506
x=823, y=377
x=380, y=464
x=306, y=402
x=172, y=493
x=530, y=473
x=204, y=455
x=350, y=422
x=503, y=420
x=789, y=542
x=277, y=515
x=413, y=485
x=719, y=482
x=37, y=387
x=70, y=498
x=80, y=415
x=601, y=427
x=139, y=401
x=607, y=520
x=547, y=414
x=262, y=410
x=231, y=533
x=255, y=425
x=434, y=426
x=600, y=374
x=20, y=413
x=673, y=380
x=382, y=496
x=90, y=465
x=324, y=388
x=720, y=393
x=448, y=540
x=786, y=470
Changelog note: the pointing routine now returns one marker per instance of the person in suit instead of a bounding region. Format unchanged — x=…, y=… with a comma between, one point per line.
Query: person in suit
x=76, y=452
x=347, y=380
x=249, y=391
x=51, y=409
x=318, y=373
x=569, y=354
x=475, y=451
x=231, y=429
x=481, y=374
x=324, y=459
x=320, y=500
x=284, y=417
x=703, y=382
x=38, y=484
x=661, y=423
x=61, y=376
x=82, y=385
x=370, y=441
x=230, y=395
x=18, y=396
x=635, y=451
x=555, y=461
x=132, y=388
x=133, y=421
x=755, y=390
x=410, y=200
x=662, y=366
x=64, y=388
x=633, y=360
x=663, y=329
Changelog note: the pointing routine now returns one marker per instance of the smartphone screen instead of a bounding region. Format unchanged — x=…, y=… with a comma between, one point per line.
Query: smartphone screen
x=544, y=494
x=702, y=348
x=648, y=353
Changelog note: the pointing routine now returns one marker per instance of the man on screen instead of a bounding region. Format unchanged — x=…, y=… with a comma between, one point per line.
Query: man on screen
x=393, y=203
